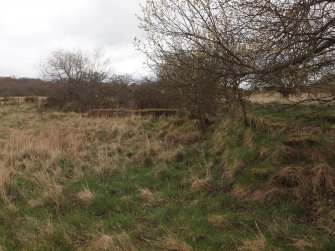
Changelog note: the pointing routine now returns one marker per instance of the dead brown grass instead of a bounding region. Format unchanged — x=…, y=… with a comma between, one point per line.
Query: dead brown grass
x=261, y=173
x=302, y=244
x=327, y=222
x=171, y=242
x=48, y=228
x=173, y=122
x=200, y=184
x=301, y=148
x=147, y=152
x=120, y=242
x=53, y=191
x=254, y=194
x=190, y=138
x=5, y=179
x=323, y=175
x=35, y=203
x=35, y=146
x=219, y=222
x=85, y=196
x=169, y=154
x=230, y=170
x=287, y=153
x=291, y=177
x=263, y=153
x=306, y=178
x=247, y=139
x=274, y=97
x=301, y=140
x=265, y=98
x=220, y=135
x=257, y=244
x=265, y=125
x=147, y=195
x=186, y=138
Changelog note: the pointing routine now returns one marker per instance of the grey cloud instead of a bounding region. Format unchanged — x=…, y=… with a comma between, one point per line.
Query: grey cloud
x=32, y=29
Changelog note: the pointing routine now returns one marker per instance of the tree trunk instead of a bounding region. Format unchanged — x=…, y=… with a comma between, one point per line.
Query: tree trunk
x=243, y=107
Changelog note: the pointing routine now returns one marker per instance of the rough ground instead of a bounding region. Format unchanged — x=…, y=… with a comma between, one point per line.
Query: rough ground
x=68, y=182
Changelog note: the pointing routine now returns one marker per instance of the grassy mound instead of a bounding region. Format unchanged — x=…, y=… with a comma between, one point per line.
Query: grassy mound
x=70, y=182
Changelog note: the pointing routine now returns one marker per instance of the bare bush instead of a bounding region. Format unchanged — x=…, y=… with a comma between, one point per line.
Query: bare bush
x=79, y=76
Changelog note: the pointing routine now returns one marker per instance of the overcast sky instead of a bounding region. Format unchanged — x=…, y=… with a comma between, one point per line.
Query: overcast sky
x=31, y=29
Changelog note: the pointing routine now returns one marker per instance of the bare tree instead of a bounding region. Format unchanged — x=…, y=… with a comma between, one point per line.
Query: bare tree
x=295, y=42
x=80, y=75
x=285, y=44
x=208, y=28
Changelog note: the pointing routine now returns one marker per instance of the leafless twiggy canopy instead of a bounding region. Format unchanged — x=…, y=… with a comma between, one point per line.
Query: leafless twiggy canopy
x=80, y=74
x=280, y=44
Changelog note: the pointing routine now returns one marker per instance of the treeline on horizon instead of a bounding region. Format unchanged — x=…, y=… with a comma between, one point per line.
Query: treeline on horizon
x=208, y=57
x=119, y=92
x=22, y=87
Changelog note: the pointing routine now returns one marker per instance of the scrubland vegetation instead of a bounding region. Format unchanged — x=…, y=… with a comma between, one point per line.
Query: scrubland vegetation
x=69, y=181
x=229, y=146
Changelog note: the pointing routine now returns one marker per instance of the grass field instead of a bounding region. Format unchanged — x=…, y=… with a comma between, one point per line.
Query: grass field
x=70, y=182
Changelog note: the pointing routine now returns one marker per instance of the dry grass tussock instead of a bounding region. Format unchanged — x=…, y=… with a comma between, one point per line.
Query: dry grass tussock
x=190, y=137
x=171, y=242
x=147, y=152
x=301, y=140
x=220, y=135
x=261, y=173
x=263, y=153
x=85, y=196
x=302, y=244
x=267, y=125
x=219, y=222
x=323, y=175
x=37, y=146
x=49, y=149
x=40, y=233
x=5, y=179
x=28, y=151
x=200, y=184
x=169, y=154
x=35, y=203
x=291, y=177
x=173, y=122
x=53, y=191
x=48, y=228
x=327, y=222
x=120, y=242
x=147, y=195
x=254, y=194
x=231, y=169
x=149, y=198
x=299, y=147
x=287, y=153
x=257, y=244
x=247, y=139
x=306, y=178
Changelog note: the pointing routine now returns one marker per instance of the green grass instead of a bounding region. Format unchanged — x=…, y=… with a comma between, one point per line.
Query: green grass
x=279, y=223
